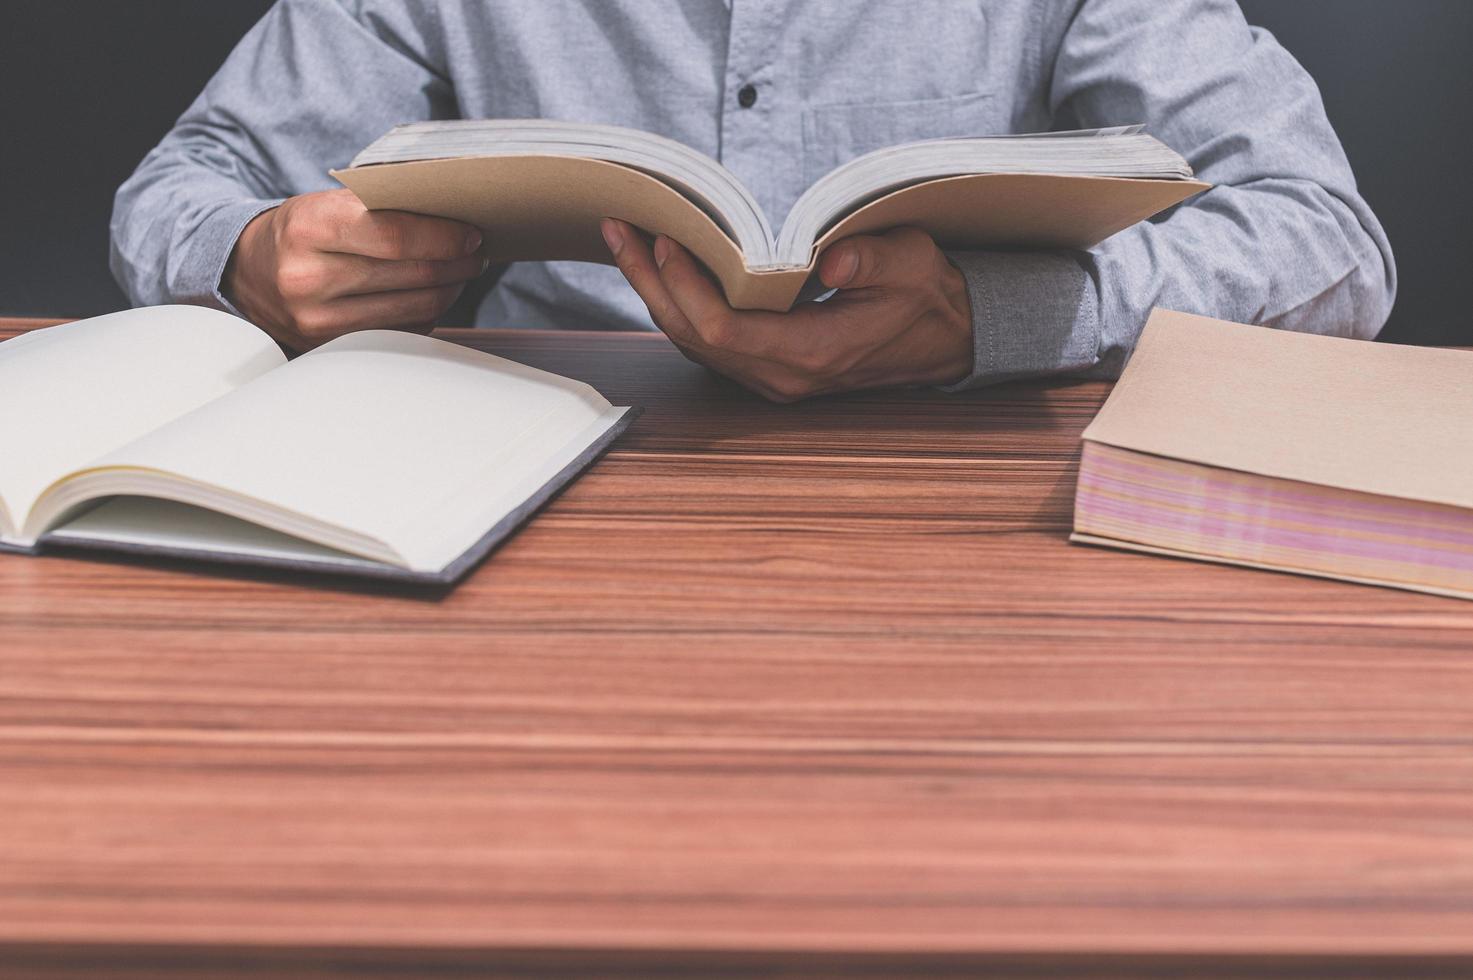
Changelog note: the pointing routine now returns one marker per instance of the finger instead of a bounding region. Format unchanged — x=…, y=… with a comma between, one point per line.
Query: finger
x=399, y=235
x=812, y=340
x=896, y=258
x=409, y=309
x=353, y=275
x=867, y=350
x=637, y=262
x=753, y=333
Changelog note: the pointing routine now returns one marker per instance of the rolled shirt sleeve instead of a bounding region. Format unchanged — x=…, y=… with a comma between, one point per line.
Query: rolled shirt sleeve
x=307, y=88
x=1283, y=239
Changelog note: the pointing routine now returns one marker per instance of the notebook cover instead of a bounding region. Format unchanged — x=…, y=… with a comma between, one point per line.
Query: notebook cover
x=359, y=568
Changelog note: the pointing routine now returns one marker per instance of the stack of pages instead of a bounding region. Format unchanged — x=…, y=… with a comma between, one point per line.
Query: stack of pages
x=1317, y=455
x=538, y=188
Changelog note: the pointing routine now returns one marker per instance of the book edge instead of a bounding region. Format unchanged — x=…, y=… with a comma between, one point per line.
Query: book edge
x=503, y=528
x=862, y=214
x=1077, y=537
x=449, y=575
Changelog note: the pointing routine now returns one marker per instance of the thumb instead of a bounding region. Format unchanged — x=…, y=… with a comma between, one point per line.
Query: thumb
x=874, y=260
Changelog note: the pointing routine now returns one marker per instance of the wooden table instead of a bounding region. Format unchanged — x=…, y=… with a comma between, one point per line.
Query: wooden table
x=812, y=690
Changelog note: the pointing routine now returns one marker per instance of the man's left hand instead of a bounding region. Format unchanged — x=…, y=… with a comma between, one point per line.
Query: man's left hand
x=901, y=316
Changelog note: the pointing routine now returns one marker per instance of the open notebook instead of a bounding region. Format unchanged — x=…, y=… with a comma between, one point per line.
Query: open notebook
x=182, y=431
x=537, y=189
x=1299, y=453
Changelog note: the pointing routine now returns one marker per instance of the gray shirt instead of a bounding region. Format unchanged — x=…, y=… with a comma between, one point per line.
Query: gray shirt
x=1283, y=239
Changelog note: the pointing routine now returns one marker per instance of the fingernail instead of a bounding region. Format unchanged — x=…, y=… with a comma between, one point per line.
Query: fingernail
x=472, y=240
x=613, y=237
x=662, y=251
x=848, y=265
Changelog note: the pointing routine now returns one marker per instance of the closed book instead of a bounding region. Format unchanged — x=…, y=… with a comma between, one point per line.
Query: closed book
x=1294, y=452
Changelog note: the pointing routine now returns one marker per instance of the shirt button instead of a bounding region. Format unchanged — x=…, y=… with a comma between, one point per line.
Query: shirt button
x=747, y=97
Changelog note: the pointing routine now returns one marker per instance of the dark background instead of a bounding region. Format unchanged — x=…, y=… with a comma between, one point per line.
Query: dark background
x=86, y=88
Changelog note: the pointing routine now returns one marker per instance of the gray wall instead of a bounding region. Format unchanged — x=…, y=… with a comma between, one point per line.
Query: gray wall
x=87, y=87
x=1397, y=80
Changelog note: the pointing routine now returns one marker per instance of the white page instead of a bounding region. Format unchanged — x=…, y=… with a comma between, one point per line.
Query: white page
x=388, y=435
x=152, y=523
x=70, y=394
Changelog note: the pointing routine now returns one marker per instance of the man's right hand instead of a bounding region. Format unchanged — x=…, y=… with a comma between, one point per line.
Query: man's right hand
x=322, y=265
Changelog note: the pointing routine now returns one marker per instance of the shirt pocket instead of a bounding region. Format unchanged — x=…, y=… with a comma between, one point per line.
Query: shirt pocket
x=836, y=134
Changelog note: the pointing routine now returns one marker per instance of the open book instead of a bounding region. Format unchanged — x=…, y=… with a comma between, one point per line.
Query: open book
x=184, y=431
x=538, y=188
x=1294, y=452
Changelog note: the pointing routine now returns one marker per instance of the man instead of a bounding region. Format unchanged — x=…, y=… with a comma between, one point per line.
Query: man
x=233, y=208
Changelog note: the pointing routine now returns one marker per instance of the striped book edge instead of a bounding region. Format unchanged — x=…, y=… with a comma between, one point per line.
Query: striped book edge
x=1164, y=506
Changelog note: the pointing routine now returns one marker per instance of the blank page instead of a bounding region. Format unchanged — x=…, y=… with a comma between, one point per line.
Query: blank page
x=414, y=442
x=72, y=393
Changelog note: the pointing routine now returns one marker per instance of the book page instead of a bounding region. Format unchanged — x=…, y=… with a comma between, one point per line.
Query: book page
x=151, y=524
x=413, y=442
x=72, y=393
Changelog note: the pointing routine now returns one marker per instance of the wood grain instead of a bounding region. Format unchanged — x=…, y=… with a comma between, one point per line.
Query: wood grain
x=811, y=690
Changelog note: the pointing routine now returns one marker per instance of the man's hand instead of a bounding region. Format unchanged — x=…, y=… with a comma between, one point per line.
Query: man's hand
x=322, y=265
x=901, y=316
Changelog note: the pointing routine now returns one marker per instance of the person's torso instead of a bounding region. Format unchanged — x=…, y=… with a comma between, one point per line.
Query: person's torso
x=832, y=79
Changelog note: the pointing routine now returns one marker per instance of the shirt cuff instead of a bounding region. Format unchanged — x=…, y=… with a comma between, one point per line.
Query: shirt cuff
x=1033, y=314
x=199, y=273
